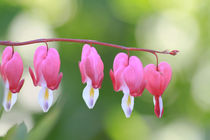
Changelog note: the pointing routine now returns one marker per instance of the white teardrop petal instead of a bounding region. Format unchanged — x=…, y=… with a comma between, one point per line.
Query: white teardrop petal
x=45, y=98
x=9, y=99
x=127, y=104
x=90, y=95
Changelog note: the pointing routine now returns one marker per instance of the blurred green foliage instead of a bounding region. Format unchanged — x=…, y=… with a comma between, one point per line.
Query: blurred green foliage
x=17, y=132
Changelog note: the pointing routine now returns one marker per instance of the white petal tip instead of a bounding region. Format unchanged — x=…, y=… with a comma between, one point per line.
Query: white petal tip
x=90, y=103
x=128, y=113
x=7, y=107
x=127, y=105
x=90, y=107
x=46, y=107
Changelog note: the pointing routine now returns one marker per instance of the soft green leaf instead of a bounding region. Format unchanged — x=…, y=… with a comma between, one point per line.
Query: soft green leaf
x=45, y=126
x=21, y=132
x=10, y=133
x=17, y=132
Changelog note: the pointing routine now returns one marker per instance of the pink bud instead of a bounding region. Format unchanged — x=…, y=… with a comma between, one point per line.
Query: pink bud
x=157, y=82
x=91, y=66
x=174, y=52
x=12, y=69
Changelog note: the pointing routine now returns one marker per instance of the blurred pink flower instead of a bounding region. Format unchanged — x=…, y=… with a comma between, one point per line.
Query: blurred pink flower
x=92, y=72
x=128, y=76
x=11, y=70
x=157, y=82
x=47, y=67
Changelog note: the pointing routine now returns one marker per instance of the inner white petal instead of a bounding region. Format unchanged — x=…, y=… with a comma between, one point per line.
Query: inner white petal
x=45, y=98
x=160, y=105
x=154, y=100
x=125, y=89
x=9, y=98
x=90, y=95
x=127, y=104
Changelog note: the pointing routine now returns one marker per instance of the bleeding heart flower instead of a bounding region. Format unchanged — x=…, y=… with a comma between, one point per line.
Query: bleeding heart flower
x=128, y=76
x=11, y=70
x=157, y=81
x=92, y=72
x=47, y=67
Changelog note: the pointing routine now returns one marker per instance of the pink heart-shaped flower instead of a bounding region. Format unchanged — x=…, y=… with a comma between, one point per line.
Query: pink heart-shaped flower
x=157, y=80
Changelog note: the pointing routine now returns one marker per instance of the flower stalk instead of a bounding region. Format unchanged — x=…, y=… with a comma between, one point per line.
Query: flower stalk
x=85, y=41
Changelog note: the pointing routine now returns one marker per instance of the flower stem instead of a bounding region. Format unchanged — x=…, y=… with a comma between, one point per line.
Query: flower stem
x=156, y=61
x=10, y=43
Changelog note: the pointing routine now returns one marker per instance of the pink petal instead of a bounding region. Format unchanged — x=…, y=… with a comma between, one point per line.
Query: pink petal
x=94, y=68
x=13, y=71
x=91, y=66
x=58, y=82
x=39, y=56
x=85, y=51
x=51, y=67
x=134, y=76
x=157, y=81
x=111, y=73
x=120, y=60
x=18, y=87
x=119, y=79
x=166, y=70
x=82, y=71
x=6, y=56
x=33, y=76
x=119, y=64
x=99, y=67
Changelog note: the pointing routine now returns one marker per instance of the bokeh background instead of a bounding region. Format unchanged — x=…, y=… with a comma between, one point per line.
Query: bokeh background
x=154, y=24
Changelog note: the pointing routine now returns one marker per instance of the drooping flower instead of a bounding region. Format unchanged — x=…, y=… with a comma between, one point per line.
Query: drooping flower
x=128, y=76
x=11, y=70
x=47, y=67
x=92, y=72
x=157, y=81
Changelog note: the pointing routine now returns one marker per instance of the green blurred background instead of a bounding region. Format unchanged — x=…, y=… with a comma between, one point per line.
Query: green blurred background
x=154, y=24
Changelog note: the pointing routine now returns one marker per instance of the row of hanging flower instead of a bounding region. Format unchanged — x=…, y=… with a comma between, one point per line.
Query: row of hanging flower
x=128, y=75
